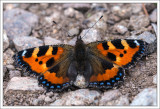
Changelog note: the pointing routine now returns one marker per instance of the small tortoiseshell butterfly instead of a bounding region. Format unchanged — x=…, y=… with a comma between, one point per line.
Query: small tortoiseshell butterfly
x=95, y=65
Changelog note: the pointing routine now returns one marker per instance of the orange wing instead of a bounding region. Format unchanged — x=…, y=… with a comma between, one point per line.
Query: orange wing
x=46, y=62
x=122, y=52
x=112, y=74
x=112, y=56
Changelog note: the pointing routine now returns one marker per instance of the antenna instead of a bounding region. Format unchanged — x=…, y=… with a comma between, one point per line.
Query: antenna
x=61, y=28
x=92, y=26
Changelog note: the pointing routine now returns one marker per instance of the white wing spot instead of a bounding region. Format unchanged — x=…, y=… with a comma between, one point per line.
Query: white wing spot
x=136, y=42
x=24, y=52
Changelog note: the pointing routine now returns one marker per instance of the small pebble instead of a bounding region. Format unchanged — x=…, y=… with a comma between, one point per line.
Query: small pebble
x=121, y=29
x=14, y=73
x=35, y=102
x=7, y=57
x=10, y=67
x=5, y=40
x=155, y=79
x=138, y=22
x=91, y=36
x=153, y=16
x=41, y=97
x=48, y=99
x=73, y=31
x=50, y=94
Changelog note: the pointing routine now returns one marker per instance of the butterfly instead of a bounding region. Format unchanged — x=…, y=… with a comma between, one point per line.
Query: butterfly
x=99, y=65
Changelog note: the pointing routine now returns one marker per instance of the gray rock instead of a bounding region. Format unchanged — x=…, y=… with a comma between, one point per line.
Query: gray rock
x=51, y=41
x=72, y=41
x=70, y=12
x=5, y=40
x=73, y=31
x=25, y=42
x=116, y=8
x=41, y=97
x=121, y=29
x=14, y=73
x=101, y=24
x=123, y=12
x=155, y=28
x=19, y=14
x=50, y=18
x=10, y=67
x=155, y=79
x=35, y=102
x=150, y=39
x=50, y=94
x=147, y=36
x=109, y=96
x=7, y=57
x=48, y=99
x=148, y=97
x=18, y=22
x=138, y=22
x=16, y=28
x=136, y=8
x=120, y=101
x=23, y=83
x=91, y=36
x=56, y=96
x=153, y=16
x=78, y=97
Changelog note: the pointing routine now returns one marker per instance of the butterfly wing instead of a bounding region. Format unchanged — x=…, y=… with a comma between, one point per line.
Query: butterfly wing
x=123, y=52
x=105, y=74
x=111, y=56
x=46, y=62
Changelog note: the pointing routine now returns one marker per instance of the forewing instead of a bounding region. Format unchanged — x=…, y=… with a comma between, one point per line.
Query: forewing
x=123, y=52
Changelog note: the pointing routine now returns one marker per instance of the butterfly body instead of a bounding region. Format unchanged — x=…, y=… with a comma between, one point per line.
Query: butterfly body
x=95, y=65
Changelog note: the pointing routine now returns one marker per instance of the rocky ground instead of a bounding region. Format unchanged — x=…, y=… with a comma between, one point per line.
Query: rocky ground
x=30, y=25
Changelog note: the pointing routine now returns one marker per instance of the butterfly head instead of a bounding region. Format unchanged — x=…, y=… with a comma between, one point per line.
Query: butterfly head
x=79, y=38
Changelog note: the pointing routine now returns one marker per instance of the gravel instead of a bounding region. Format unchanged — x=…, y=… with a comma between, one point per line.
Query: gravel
x=30, y=25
